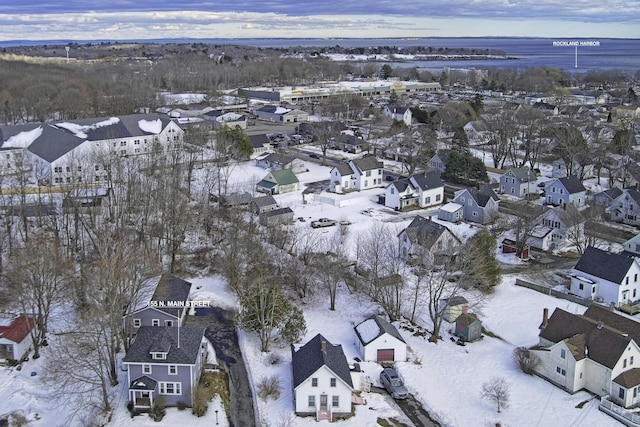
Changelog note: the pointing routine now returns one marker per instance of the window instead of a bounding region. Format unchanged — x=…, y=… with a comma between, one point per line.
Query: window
x=427, y=200
x=368, y=173
x=314, y=382
x=155, y=322
x=635, y=277
x=621, y=393
x=631, y=360
x=475, y=213
x=626, y=280
x=173, y=370
x=335, y=401
x=136, y=323
x=581, y=286
x=366, y=183
x=170, y=388
x=437, y=197
x=68, y=168
x=333, y=382
x=634, y=293
x=624, y=363
x=57, y=169
x=312, y=401
x=159, y=356
x=97, y=167
x=123, y=143
x=563, y=353
x=561, y=371
x=392, y=190
x=146, y=369
x=168, y=323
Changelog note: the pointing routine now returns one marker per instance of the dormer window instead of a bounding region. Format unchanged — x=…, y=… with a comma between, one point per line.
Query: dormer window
x=159, y=356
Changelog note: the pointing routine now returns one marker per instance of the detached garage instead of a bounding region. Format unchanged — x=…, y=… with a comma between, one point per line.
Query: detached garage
x=379, y=341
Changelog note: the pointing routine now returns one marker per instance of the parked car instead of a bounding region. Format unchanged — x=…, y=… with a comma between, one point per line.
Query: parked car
x=323, y=222
x=393, y=383
x=369, y=212
x=314, y=155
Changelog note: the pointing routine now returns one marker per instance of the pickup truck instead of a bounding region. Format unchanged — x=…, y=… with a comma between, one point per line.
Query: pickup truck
x=323, y=222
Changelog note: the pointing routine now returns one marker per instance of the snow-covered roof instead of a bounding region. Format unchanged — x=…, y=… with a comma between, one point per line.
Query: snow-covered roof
x=451, y=207
x=23, y=139
x=81, y=130
x=368, y=330
x=151, y=126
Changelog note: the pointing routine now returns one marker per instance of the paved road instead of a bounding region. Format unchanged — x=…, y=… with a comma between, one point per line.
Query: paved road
x=221, y=332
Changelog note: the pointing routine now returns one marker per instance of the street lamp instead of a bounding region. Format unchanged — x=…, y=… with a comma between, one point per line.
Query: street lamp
x=216, y=417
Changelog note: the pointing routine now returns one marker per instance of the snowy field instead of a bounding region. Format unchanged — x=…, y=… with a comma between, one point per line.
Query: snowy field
x=446, y=378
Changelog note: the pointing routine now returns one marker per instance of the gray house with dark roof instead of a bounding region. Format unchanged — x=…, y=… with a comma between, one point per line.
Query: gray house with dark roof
x=379, y=341
x=166, y=306
x=165, y=362
x=606, y=277
x=626, y=207
x=479, y=205
x=428, y=241
x=565, y=191
x=322, y=383
x=597, y=351
x=518, y=182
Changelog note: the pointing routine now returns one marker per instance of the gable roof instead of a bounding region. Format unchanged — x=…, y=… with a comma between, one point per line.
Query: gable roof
x=481, y=196
x=425, y=232
x=610, y=193
x=54, y=143
x=310, y=357
x=467, y=319
x=427, y=180
x=344, y=169
x=572, y=184
x=259, y=141
x=373, y=328
x=628, y=379
x=614, y=320
x=171, y=288
x=148, y=339
x=18, y=329
x=367, y=163
x=279, y=159
x=277, y=212
x=523, y=174
x=284, y=177
x=603, y=264
x=263, y=201
x=586, y=337
x=633, y=193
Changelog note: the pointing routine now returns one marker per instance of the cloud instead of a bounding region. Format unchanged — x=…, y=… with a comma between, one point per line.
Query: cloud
x=126, y=19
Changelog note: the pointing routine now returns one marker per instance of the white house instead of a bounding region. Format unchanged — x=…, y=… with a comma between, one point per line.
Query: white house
x=633, y=245
x=420, y=190
x=401, y=114
x=15, y=337
x=597, y=351
x=379, y=341
x=322, y=382
x=358, y=174
x=557, y=227
x=606, y=277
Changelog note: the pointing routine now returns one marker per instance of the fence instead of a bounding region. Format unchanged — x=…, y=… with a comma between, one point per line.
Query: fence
x=618, y=412
x=553, y=292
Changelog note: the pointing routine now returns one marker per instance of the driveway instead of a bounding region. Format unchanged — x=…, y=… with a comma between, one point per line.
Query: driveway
x=411, y=408
x=221, y=332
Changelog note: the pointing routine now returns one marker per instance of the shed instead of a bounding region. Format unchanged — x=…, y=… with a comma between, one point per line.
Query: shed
x=379, y=341
x=452, y=212
x=276, y=217
x=468, y=327
x=453, y=307
x=263, y=204
x=15, y=337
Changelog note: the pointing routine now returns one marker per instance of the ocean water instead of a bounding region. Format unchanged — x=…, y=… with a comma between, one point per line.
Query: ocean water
x=600, y=54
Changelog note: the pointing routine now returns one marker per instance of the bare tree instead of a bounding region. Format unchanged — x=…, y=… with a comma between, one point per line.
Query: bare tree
x=497, y=391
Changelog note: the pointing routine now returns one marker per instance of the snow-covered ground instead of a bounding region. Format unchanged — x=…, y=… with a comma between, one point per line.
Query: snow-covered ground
x=446, y=378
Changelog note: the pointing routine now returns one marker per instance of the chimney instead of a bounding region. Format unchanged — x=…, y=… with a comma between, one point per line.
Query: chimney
x=545, y=318
x=323, y=346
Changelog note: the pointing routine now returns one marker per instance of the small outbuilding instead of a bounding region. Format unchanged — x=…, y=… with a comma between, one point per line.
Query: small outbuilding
x=452, y=212
x=15, y=337
x=468, y=327
x=453, y=307
x=379, y=341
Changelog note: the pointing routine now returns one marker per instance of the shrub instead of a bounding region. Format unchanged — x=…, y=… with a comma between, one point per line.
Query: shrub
x=527, y=361
x=158, y=410
x=200, y=400
x=274, y=359
x=269, y=387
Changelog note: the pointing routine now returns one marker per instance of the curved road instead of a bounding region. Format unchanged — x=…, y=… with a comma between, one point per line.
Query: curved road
x=221, y=332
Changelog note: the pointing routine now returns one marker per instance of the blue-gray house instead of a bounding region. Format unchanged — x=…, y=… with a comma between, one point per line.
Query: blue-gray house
x=166, y=362
x=565, y=191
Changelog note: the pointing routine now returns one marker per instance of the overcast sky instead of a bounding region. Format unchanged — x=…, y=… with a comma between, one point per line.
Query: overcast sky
x=143, y=19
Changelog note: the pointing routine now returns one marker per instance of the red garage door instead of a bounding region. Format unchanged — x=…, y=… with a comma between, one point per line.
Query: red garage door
x=386, y=355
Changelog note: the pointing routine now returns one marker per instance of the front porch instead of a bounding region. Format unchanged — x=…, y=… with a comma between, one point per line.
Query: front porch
x=625, y=416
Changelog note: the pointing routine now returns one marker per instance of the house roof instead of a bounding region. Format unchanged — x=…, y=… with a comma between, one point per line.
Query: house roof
x=310, y=357
x=599, y=342
x=633, y=193
x=264, y=201
x=171, y=288
x=344, y=169
x=427, y=181
x=373, y=328
x=614, y=320
x=259, y=141
x=143, y=383
x=277, y=212
x=181, y=349
x=396, y=109
x=425, y=232
x=483, y=195
x=455, y=300
x=572, y=184
x=628, y=379
x=17, y=329
x=603, y=264
x=54, y=143
x=611, y=193
x=279, y=159
x=467, y=319
x=283, y=177
x=523, y=174
x=236, y=199
x=367, y=163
